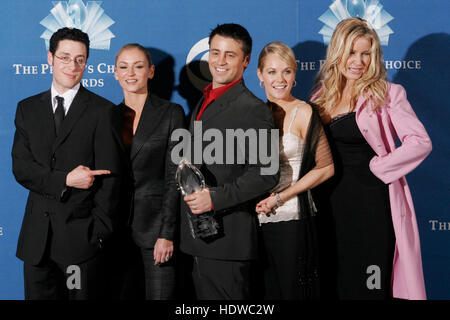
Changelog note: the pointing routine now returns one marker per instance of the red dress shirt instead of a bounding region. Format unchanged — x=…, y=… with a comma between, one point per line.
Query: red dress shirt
x=211, y=94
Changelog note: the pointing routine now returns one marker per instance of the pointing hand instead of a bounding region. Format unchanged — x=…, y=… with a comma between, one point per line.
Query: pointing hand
x=82, y=177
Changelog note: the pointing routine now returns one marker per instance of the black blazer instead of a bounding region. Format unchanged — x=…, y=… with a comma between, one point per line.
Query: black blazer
x=234, y=188
x=81, y=220
x=151, y=185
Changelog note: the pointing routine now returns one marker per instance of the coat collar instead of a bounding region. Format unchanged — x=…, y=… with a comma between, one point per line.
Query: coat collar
x=152, y=113
x=219, y=105
x=194, y=113
x=363, y=103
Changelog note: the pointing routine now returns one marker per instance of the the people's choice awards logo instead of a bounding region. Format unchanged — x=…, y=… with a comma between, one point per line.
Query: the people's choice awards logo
x=89, y=18
x=370, y=10
x=200, y=77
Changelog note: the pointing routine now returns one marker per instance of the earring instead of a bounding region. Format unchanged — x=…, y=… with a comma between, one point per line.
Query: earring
x=295, y=83
x=261, y=84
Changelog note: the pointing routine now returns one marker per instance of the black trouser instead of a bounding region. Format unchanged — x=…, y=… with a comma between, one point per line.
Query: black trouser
x=221, y=279
x=135, y=276
x=50, y=280
x=126, y=268
x=159, y=279
x=281, y=246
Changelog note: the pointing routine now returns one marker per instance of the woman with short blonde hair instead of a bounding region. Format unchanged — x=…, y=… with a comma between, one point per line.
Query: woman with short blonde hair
x=287, y=216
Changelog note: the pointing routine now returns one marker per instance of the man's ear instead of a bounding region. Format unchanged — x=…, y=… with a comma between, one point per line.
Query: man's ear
x=246, y=61
x=50, y=58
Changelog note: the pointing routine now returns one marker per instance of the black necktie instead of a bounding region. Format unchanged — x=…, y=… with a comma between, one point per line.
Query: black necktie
x=59, y=113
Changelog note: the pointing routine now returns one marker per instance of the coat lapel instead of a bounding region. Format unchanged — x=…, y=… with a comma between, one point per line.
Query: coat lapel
x=370, y=124
x=117, y=121
x=194, y=115
x=360, y=104
x=44, y=116
x=220, y=105
x=79, y=104
x=153, y=111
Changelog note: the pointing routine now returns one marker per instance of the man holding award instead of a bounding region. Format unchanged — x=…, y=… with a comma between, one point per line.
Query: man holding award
x=218, y=221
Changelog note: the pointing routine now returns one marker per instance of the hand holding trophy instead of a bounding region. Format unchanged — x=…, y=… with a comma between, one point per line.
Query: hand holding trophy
x=191, y=180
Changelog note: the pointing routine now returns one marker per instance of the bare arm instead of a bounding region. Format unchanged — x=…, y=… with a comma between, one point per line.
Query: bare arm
x=320, y=172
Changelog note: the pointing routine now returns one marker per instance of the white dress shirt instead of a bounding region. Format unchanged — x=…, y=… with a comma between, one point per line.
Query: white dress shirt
x=68, y=96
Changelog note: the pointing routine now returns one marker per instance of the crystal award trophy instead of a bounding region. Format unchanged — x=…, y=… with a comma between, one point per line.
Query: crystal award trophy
x=191, y=180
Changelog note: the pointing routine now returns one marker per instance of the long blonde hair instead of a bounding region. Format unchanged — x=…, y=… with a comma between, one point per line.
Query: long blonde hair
x=330, y=82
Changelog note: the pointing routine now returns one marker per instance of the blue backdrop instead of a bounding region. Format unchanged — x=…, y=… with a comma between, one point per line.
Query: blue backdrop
x=417, y=43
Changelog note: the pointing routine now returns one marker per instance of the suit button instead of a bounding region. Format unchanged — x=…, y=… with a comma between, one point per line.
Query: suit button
x=46, y=213
x=100, y=242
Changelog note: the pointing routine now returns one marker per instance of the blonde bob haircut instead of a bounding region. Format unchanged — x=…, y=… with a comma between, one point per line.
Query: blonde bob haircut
x=330, y=82
x=282, y=50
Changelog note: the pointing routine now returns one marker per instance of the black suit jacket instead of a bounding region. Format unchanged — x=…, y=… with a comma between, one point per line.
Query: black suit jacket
x=235, y=187
x=151, y=185
x=80, y=220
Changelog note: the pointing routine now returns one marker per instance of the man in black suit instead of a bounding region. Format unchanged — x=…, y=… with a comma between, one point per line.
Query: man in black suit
x=66, y=154
x=222, y=263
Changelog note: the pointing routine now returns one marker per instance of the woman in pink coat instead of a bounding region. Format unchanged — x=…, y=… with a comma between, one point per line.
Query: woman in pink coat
x=376, y=245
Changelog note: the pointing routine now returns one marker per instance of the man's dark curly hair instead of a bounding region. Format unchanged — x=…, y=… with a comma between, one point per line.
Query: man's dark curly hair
x=69, y=34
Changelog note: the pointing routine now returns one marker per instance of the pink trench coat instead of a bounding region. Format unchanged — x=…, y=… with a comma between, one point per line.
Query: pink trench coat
x=397, y=119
